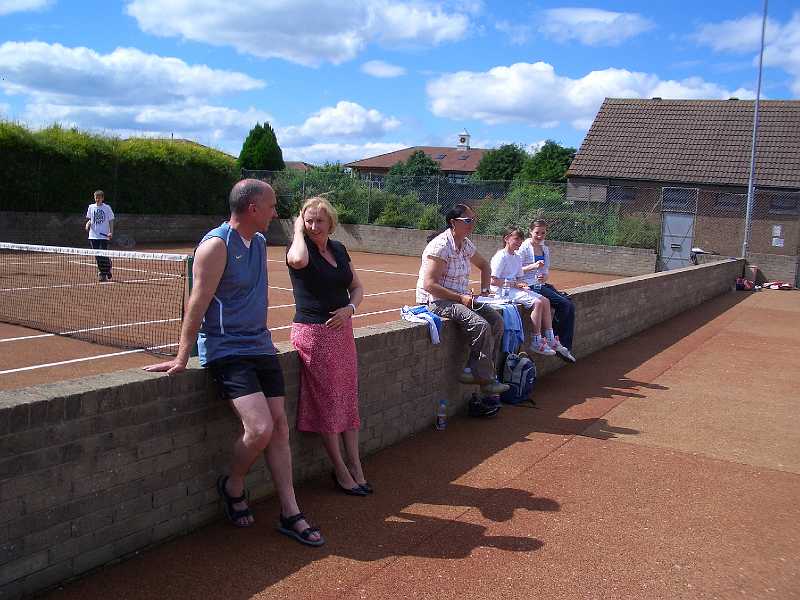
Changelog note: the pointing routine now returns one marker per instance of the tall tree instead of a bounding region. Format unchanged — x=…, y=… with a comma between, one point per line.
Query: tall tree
x=260, y=150
x=550, y=163
x=418, y=164
x=503, y=163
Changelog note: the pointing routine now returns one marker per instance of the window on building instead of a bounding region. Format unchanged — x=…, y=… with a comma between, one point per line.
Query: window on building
x=458, y=177
x=729, y=201
x=440, y=156
x=585, y=192
x=679, y=199
x=784, y=204
x=621, y=194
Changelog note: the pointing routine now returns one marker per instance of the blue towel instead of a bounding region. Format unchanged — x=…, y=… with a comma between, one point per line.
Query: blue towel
x=514, y=335
x=421, y=314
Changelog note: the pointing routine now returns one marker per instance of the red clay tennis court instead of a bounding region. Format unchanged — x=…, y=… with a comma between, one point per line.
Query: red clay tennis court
x=29, y=357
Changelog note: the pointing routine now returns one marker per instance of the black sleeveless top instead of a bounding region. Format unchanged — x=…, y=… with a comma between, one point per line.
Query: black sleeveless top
x=320, y=288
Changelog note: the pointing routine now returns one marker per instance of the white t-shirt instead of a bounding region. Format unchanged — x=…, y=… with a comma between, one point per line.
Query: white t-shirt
x=100, y=218
x=505, y=266
x=528, y=256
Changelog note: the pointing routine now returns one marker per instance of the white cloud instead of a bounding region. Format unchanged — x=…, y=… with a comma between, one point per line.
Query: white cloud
x=126, y=76
x=743, y=36
x=126, y=92
x=308, y=32
x=535, y=94
x=5, y=110
x=384, y=70
x=345, y=120
x=593, y=27
x=343, y=153
x=517, y=34
x=11, y=6
x=735, y=35
x=213, y=125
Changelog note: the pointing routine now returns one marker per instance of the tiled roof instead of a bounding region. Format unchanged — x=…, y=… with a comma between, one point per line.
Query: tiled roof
x=451, y=161
x=692, y=141
x=298, y=165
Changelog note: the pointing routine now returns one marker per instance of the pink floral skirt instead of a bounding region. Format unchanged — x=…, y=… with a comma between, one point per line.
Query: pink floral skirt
x=328, y=397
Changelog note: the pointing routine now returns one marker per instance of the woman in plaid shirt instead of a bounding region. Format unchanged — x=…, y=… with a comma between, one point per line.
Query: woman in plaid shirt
x=443, y=285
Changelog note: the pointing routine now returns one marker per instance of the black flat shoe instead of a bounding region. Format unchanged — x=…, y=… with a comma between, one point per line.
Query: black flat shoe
x=354, y=491
x=366, y=487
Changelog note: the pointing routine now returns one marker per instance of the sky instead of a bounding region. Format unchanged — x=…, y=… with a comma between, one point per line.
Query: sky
x=345, y=80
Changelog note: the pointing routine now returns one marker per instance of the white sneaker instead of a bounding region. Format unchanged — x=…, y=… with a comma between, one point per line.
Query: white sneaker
x=542, y=348
x=563, y=351
x=495, y=387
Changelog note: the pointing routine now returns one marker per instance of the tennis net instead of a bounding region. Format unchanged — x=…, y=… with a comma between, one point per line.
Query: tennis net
x=67, y=291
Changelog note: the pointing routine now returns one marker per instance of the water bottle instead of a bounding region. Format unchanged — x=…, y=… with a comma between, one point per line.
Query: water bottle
x=441, y=415
x=505, y=290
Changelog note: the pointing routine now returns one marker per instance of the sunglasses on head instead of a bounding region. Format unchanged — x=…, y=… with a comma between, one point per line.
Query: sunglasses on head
x=466, y=220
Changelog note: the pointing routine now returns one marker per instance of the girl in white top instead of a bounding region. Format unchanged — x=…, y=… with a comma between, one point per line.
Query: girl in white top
x=506, y=265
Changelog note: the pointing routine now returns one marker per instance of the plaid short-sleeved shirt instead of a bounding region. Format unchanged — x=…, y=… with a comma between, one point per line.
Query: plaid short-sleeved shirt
x=456, y=273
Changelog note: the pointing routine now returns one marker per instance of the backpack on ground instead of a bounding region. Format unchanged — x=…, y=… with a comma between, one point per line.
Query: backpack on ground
x=519, y=372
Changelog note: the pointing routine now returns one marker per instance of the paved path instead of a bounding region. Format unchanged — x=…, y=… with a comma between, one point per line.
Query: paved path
x=665, y=467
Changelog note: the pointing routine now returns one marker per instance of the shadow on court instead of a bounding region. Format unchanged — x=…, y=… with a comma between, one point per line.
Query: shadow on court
x=475, y=495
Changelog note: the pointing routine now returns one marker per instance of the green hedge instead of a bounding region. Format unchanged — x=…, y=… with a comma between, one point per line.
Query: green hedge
x=57, y=169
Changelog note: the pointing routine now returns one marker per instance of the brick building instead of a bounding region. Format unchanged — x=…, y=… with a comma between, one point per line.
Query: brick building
x=457, y=164
x=685, y=165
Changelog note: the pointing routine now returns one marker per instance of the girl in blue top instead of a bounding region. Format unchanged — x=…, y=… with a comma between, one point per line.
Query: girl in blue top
x=535, y=257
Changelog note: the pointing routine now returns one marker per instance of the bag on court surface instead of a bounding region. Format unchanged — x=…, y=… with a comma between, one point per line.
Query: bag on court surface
x=519, y=372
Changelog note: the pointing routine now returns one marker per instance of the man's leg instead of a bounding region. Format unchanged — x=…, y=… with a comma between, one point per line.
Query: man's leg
x=279, y=460
x=257, y=423
x=495, y=320
x=479, y=331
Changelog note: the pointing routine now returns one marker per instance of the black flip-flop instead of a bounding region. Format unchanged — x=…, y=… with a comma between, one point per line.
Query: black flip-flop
x=286, y=527
x=228, y=501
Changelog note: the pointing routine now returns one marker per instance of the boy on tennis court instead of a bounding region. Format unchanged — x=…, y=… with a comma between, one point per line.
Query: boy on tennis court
x=100, y=225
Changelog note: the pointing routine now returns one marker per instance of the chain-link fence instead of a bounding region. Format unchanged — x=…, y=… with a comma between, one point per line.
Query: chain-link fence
x=668, y=219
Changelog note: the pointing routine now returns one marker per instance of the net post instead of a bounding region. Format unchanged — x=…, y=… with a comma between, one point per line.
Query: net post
x=190, y=281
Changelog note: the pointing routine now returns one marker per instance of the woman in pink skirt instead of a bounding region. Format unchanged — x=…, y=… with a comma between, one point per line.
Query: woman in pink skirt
x=327, y=293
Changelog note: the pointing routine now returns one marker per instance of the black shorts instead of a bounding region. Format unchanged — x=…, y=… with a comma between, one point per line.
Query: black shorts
x=239, y=375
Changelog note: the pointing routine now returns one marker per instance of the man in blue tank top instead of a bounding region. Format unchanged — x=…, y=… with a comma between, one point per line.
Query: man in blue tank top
x=227, y=315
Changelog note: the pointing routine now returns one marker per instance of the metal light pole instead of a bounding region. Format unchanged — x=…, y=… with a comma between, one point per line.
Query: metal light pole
x=751, y=179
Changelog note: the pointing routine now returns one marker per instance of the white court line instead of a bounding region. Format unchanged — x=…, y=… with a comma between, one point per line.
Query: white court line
x=365, y=296
x=77, y=360
x=377, y=312
x=364, y=270
x=77, y=285
x=44, y=335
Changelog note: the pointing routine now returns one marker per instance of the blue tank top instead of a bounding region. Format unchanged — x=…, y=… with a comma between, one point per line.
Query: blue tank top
x=236, y=320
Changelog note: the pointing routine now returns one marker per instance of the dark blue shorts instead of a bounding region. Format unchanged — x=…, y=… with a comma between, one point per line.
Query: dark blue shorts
x=238, y=376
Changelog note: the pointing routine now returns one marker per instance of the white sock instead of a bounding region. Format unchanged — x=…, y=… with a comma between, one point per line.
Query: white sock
x=550, y=337
x=537, y=339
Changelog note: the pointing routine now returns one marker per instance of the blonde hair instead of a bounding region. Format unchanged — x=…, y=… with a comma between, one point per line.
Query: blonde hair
x=321, y=202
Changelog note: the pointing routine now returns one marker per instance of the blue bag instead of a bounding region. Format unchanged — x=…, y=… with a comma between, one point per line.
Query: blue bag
x=519, y=372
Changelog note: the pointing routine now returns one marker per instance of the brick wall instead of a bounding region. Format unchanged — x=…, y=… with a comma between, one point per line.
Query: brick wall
x=56, y=229
x=567, y=256
x=776, y=266
x=95, y=469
